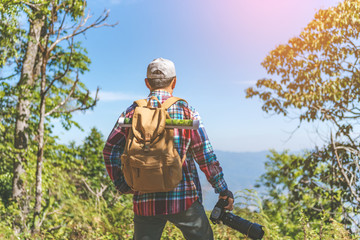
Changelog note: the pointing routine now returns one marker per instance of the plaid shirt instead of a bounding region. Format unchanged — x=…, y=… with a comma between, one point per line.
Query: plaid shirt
x=194, y=143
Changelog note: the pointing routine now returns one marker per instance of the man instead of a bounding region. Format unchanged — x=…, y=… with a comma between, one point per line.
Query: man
x=182, y=205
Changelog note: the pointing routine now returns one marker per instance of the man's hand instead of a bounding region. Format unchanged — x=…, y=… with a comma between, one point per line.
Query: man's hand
x=228, y=195
x=230, y=206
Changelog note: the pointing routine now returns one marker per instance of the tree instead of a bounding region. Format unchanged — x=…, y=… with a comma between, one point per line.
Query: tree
x=23, y=63
x=48, y=74
x=300, y=185
x=90, y=153
x=316, y=77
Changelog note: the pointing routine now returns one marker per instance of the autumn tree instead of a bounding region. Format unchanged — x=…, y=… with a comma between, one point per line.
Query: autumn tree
x=315, y=77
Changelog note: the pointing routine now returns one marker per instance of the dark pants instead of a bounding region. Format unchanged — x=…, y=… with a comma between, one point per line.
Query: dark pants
x=193, y=223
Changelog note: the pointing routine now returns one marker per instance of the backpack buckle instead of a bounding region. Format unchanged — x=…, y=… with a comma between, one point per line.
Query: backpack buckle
x=147, y=142
x=146, y=147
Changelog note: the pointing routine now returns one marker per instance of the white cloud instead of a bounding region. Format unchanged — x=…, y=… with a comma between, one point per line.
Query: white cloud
x=116, y=96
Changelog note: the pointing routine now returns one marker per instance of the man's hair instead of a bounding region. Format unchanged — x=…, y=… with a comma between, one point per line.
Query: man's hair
x=156, y=83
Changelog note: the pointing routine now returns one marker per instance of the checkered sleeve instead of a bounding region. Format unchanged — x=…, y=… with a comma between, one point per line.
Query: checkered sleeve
x=113, y=149
x=204, y=155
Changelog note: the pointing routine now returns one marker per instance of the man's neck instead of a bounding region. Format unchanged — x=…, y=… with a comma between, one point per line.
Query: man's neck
x=169, y=90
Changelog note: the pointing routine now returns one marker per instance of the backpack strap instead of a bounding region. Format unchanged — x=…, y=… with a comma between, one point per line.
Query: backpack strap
x=141, y=102
x=156, y=99
x=170, y=101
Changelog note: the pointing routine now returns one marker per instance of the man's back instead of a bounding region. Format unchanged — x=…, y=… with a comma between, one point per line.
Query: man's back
x=182, y=204
x=193, y=143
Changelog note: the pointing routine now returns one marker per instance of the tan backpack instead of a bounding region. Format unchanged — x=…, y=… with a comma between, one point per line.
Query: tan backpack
x=150, y=162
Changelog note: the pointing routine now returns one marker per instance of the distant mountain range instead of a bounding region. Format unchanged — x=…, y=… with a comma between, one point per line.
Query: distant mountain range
x=241, y=170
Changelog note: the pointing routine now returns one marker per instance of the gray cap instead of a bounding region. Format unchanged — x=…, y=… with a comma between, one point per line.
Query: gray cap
x=161, y=68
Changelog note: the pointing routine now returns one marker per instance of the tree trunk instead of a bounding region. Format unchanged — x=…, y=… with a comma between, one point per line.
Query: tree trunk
x=39, y=165
x=23, y=107
x=27, y=80
x=41, y=144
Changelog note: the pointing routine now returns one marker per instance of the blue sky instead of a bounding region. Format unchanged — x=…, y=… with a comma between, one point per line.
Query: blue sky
x=217, y=47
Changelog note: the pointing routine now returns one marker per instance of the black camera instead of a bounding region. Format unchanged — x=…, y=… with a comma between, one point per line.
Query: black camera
x=252, y=230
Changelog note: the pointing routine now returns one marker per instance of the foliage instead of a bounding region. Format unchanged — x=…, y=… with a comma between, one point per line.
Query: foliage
x=297, y=187
x=11, y=34
x=317, y=70
x=6, y=165
x=249, y=206
x=74, y=174
x=77, y=198
x=45, y=62
x=315, y=77
x=73, y=207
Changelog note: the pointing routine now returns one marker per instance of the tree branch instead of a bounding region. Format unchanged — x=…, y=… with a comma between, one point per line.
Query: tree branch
x=83, y=108
x=66, y=70
x=80, y=28
x=32, y=6
x=88, y=187
x=8, y=77
x=65, y=100
x=353, y=193
x=99, y=192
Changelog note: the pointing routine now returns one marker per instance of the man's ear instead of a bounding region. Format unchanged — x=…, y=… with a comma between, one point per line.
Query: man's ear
x=147, y=84
x=173, y=83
